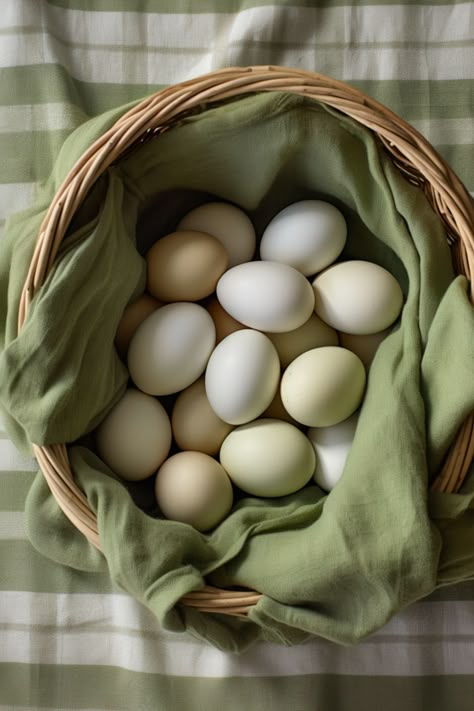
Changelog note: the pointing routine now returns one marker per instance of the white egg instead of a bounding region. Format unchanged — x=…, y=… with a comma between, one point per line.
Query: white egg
x=227, y=223
x=135, y=437
x=323, y=386
x=312, y=334
x=308, y=235
x=193, y=488
x=332, y=445
x=170, y=349
x=357, y=297
x=268, y=458
x=242, y=376
x=267, y=296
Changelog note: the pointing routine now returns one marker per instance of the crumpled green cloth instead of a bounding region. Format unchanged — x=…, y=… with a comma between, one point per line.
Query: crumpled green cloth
x=340, y=565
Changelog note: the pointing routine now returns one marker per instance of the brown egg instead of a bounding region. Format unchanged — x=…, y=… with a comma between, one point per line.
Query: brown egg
x=134, y=314
x=185, y=266
x=363, y=346
x=225, y=324
x=195, y=424
x=276, y=410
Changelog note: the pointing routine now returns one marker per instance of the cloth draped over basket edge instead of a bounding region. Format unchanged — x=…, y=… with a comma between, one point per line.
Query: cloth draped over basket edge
x=62, y=374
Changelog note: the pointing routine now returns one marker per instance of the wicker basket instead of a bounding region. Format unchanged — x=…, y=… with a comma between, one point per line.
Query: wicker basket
x=409, y=151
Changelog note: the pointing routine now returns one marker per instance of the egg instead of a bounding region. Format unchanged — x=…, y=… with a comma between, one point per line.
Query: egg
x=242, y=376
x=268, y=458
x=323, y=386
x=357, y=297
x=267, y=296
x=308, y=235
x=134, y=314
x=170, y=349
x=227, y=223
x=135, y=437
x=193, y=488
x=195, y=424
x=224, y=323
x=312, y=334
x=332, y=445
x=365, y=347
x=185, y=266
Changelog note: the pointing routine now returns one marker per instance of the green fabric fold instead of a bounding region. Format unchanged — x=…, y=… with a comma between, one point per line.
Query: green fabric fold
x=338, y=566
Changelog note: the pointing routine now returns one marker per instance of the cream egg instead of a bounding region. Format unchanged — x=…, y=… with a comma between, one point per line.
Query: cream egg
x=224, y=323
x=242, y=376
x=308, y=235
x=227, y=223
x=312, y=334
x=170, y=349
x=267, y=296
x=135, y=437
x=332, y=445
x=133, y=315
x=195, y=424
x=268, y=458
x=323, y=386
x=185, y=266
x=357, y=297
x=193, y=488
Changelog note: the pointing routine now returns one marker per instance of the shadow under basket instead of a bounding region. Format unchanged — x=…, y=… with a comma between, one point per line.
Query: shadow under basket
x=412, y=155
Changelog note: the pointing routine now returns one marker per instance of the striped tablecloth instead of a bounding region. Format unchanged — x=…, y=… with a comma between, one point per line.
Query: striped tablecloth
x=69, y=640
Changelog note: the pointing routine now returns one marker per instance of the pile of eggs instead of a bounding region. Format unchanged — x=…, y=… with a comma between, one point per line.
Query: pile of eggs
x=266, y=359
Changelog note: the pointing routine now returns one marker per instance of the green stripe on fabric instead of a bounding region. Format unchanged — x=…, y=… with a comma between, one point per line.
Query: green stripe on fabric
x=30, y=571
x=202, y=6
x=41, y=84
x=14, y=487
x=461, y=160
x=27, y=156
x=81, y=687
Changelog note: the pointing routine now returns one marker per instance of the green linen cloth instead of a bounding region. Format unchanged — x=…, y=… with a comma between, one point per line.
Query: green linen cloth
x=338, y=566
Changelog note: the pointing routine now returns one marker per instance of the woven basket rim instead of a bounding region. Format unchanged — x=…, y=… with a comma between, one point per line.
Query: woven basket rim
x=411, y=153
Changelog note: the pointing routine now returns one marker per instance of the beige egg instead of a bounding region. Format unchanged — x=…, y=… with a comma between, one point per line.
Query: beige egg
x=225, y=324
x=134, y=314
x=323, y=386
x=185, y=266
x=312, y=334
x=194, y=488
x=195, y=425
x=363, y=346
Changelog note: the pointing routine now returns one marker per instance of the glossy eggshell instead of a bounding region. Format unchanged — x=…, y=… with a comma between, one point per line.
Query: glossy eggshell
x=196, y=426
x=308, y=235
x=242, y=376
x=323, y=386
x=267, y=296
x=332, y=445
x=312, y=334
x=185, y=266
x=135, y=437
x=193, y=488
x=224, y=323
x=170, y=349
x=227, y=223
x=357, y=297
x=268, y=458
x=134, y=314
